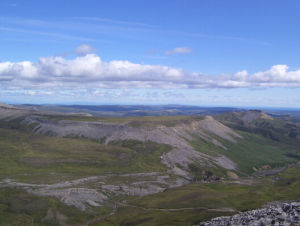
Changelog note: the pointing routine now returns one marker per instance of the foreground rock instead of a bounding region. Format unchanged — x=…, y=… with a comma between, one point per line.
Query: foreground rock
x=275, y=214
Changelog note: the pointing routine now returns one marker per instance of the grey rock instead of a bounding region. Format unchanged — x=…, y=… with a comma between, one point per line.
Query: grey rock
x=275, y=214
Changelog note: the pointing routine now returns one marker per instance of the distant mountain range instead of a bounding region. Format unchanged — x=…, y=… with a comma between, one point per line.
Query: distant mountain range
x=152, y=110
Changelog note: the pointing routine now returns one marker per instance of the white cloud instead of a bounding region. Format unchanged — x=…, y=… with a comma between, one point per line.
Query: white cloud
x=84, y=49
x=278, y=74
x=178, y=50
x=89, y=71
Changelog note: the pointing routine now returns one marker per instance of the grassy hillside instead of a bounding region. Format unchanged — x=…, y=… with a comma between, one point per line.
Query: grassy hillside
x=186, y=205
x=18, y=207
x=266, y=142
x=193, y=203
x=253, y=150
x=28, y=157
x=39, y=159
x=132, y=121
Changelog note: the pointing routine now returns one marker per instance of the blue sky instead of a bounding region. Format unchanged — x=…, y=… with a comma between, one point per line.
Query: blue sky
x=216, y=53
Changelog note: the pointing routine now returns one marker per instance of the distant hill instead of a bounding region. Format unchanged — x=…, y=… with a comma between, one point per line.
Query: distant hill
x=66, y=165
x=133, y=110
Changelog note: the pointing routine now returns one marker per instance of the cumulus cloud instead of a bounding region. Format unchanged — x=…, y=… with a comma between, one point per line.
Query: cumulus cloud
x=89, y=71
x=84, y=49
x=178, y=50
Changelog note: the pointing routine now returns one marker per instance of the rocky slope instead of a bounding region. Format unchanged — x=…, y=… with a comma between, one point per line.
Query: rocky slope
x=177, y=136
x=275, y=214
x=177, y=133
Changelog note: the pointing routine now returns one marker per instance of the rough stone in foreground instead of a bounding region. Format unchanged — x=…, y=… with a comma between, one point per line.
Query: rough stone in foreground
x=275, y=214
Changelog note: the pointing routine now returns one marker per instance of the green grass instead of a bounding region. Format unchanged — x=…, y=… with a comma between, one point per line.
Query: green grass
x=132, y=121
x=18, y=207
x=253, y=150
x=214, y=195
x=29, y=157
x=204, y=146
x=282, y=129
x=134, y=216
x=256, y=151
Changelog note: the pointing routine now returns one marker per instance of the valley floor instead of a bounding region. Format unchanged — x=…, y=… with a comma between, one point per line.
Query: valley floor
x=185, y=205
x=58, y=169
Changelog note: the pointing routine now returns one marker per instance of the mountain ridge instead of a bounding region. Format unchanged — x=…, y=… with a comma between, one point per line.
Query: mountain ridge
x=94, y=161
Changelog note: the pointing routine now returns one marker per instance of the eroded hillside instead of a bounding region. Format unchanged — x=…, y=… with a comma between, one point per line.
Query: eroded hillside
x=97, y=164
